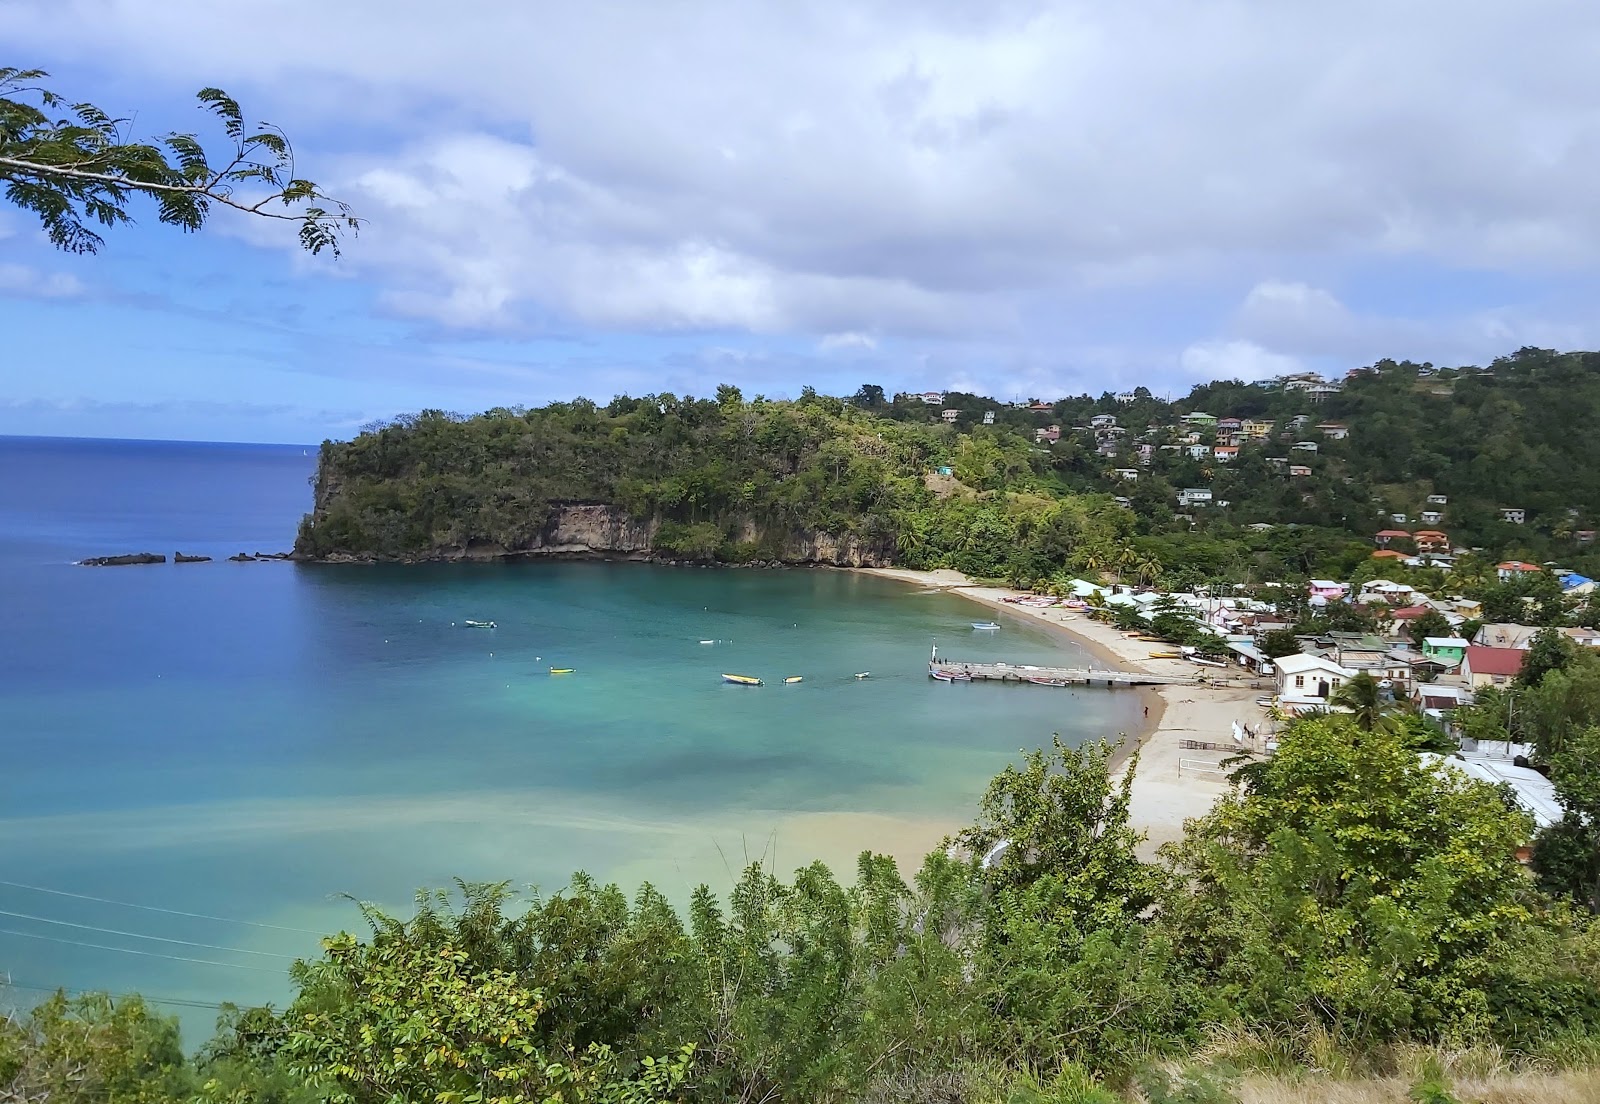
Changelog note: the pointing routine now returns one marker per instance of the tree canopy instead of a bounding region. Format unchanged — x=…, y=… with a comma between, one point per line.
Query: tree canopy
x=76, y=166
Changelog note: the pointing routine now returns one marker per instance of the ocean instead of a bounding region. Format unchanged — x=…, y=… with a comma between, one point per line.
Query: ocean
x=202, y=764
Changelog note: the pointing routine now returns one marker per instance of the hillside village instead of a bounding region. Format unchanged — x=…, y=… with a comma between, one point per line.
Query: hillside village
x=1432, y=460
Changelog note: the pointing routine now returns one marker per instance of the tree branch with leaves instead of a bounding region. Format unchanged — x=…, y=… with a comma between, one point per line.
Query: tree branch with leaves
x=74, y=166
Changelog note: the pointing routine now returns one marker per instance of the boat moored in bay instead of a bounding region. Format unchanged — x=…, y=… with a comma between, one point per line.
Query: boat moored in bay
x=742, y=680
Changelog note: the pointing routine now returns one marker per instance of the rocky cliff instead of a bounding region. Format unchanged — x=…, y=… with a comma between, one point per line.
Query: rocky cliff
x=601, y=531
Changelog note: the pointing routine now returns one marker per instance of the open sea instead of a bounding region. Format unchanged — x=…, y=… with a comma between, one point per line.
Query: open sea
x=236, y=747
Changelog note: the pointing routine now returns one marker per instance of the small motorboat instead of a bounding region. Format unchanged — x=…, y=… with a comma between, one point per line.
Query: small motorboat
x=479, y=624
x=561, y=670
x=1204, y=662
x=742, y=680
x=945, y=675
x=986, y=626
x=1037, y=681
x=708, y=641
x=863, y=674
x=1166, y=655
x=794, y=678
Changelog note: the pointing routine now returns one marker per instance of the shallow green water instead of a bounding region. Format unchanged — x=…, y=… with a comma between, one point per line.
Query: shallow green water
x=251, y=741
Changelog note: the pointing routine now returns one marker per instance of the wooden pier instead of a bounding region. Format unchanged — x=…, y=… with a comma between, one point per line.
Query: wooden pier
x=1072, y=676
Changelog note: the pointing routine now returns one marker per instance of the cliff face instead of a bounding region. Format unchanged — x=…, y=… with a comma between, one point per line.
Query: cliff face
x=603, y=531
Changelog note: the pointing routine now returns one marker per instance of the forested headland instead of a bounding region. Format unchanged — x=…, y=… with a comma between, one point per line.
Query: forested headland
x=872, y=479
x=1350, y=914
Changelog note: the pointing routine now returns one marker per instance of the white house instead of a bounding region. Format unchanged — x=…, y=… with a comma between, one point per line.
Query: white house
x=950, y=416
x=1194, y=496
x=1305, y=446
x=1513, y=515
x=1382, y=590
x=1431, y=517
x=988, y=417
x=1438, y=500
x=1127, y=475
x=1307, y=681
x=1199, y=452
x=1102, y=421
x=932, y=398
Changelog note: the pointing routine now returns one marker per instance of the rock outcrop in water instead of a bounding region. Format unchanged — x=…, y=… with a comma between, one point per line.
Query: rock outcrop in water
x=125, y=560
x=179, y=557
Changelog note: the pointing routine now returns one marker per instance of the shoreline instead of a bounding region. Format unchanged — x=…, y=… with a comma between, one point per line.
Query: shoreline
x=1171, y=784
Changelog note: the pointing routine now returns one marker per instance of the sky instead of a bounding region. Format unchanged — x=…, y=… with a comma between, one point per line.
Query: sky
x=1016, y=198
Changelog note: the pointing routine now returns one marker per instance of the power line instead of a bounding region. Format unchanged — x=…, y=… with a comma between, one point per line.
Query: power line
x=182, y=1001
x=130, y=950
x=153, y=908
x=137, y=935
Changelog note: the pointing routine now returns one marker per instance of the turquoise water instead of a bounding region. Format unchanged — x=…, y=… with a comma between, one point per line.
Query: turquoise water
x=250, y=741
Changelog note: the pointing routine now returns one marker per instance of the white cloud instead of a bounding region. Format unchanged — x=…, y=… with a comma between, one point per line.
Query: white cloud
x=32, y=283
x=1298, y=320
x=848, y=342
x=906, y=170
x=1243, y=360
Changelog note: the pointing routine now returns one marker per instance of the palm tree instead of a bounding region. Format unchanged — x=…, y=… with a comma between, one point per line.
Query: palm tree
x=1150, y=570
x=1127, y=559
x=1363, y=697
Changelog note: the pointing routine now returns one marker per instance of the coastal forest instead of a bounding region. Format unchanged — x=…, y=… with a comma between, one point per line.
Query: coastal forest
x=991, y=489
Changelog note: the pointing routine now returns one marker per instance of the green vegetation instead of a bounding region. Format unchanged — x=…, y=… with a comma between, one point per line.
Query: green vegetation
x=736, y=481
x=74, y=166
x=1350, y=910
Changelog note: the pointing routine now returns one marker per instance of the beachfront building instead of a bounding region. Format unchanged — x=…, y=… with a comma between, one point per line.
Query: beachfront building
x=1307, y=681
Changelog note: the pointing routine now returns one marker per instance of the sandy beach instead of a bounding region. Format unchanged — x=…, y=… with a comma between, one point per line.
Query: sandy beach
x=1171, y=783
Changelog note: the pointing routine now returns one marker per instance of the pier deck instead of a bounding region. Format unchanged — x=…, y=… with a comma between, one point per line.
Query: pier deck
x=1079, y=676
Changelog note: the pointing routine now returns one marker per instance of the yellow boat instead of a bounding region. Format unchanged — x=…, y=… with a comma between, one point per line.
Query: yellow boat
x=742, y=680
x=1166, y=655
x=794, y=678
x=561, y=670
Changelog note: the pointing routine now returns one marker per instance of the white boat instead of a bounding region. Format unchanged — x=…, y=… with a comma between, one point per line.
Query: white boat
x=480, y=624
x=863, y=674
x=944, y=674
x=708, y=641
x=986, y=626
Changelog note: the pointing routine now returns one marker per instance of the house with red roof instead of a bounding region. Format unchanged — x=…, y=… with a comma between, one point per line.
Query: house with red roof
x=1387, y=554
x=1430, y=540
x=1491, y=666
x=1515, y=569
x=1386, y=537
x=1225, y=454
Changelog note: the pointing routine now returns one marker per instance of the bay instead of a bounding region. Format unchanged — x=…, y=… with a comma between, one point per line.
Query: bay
x=253, y=741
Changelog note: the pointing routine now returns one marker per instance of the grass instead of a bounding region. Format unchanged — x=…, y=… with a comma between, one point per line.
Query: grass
x=1525, y=1087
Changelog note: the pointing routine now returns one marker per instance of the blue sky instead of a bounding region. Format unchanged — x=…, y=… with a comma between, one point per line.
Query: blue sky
x=1020, y=198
